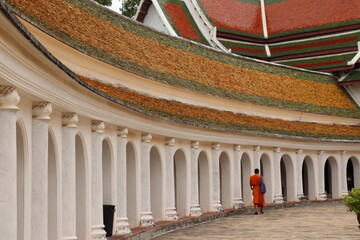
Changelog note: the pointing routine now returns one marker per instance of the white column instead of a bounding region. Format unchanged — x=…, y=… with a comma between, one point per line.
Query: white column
x=238, y=201
x=299, y=180
x=9, y=98
x=69, y=121
x=195, y=206
x=256, y=158
x=321, y=176
x=146, y=218
x=122, y=224
x=170, y=210
x=343, y=182
x=216, y=203
x=97, y=226
x=277, y=175
x=39, y=170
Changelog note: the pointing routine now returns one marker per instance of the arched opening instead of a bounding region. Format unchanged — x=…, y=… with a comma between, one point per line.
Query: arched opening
x=331, y=178
x=52, y=191
x=224, y=171
x=156, y=182
x=80, y=178
x=180, y=182
x=308, y=178
x=287, y=178
x=131, y=185
x=20, y=172
x=356, y=170
x=245, y=178
x=350, y=178
x=204, y=178
x=265, y=171
x=305, y=180
x=106, y=173
x=107, y=188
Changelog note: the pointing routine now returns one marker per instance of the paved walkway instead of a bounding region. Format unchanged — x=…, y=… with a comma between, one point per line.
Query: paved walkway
x=318, y=221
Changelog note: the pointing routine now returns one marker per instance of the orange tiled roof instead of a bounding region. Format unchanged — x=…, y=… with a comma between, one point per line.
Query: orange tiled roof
x=122, y=43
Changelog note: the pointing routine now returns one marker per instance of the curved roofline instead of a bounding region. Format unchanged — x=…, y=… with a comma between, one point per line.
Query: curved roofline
x=42, y=49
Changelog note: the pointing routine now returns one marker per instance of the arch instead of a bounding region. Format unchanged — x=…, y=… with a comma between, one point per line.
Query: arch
x=53, y=190
x=331, y=176
x=180, y=174
x=20, y=179
x=350, y=175
x=204, y=180
x=287, y=178
x=245, y=164
x=308, y=178
x=265, y=170
x=107, y=183
x=156, y=184
x=81, y=189
x=356, y=169
x=107, y=163
x=224, y=172
x=131, y=184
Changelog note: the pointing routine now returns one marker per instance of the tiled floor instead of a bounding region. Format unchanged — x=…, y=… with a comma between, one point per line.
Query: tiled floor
x=325, y=221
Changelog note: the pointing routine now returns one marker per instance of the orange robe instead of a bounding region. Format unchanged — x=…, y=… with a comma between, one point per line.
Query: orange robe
x=258, y=199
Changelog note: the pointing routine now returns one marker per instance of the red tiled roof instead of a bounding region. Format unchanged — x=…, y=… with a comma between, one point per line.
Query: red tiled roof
x=234, y=15
x=298, y=14
x=281, y=16
x=181, y=21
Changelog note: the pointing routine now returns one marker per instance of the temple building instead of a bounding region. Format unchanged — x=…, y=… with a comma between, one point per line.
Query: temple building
x=97, y=109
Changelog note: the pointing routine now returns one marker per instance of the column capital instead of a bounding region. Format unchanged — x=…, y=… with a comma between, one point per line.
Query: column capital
x=122, y=132
x=299, y=151
x=195, y=144
x=69, y=119
x=256, y=148
x=146, y=137
x=41, y=110
x=170, y=141
x=320, y=152
x=97, y=126
x=215, y=146
x=9, y=97
x=237, y=147
x=277, y=149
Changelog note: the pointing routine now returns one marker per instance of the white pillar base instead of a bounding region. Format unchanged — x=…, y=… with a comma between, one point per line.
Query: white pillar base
x=301, y=197
x=122, y=226
x=195, y=211
x=279, y=199
x=98, y=233
x=171, y=214
x=69, y=238
x=217, y=207
x=238, y=204
x=322, y=197
x=146, y=220
x=343, y=194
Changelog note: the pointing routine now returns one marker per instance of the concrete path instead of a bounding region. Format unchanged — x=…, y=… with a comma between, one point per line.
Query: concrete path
x=325, y=221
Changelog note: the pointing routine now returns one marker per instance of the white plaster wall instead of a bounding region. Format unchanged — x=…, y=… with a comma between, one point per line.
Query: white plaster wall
x=152, y=19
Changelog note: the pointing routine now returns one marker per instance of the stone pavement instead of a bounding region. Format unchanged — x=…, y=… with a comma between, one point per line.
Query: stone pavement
x=316, y=221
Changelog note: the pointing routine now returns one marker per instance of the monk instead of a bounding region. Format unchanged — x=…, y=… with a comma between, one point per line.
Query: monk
x=258, y=199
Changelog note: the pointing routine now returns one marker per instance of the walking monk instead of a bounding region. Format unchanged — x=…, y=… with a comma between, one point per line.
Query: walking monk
x=258, y=199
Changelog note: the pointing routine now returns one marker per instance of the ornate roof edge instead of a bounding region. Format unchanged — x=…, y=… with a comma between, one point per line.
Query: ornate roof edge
x=7, y=11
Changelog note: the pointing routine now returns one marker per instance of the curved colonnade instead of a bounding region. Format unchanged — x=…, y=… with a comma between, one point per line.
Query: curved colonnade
x=66, y=150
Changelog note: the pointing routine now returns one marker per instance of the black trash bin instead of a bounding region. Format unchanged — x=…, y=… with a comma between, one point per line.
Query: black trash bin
x=108, y=215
